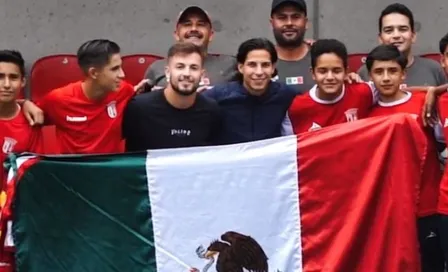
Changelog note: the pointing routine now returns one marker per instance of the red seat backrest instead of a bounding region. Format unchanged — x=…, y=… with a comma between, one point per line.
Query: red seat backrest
x=355, y=61
x=52, y=72
x=134, y=66
x=47, y=74
x=433, y=56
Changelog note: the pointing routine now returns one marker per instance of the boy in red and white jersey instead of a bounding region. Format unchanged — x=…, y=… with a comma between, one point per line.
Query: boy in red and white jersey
x=16, y=134
x=442, y=105
x=331, y=101
x=387, y=69
x=88, y=114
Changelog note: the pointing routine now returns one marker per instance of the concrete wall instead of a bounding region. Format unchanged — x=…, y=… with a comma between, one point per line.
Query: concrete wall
x=43, y=27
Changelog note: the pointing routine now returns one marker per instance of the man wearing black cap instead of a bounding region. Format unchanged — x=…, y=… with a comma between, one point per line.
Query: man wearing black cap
x=289, y=23
x=194, y=25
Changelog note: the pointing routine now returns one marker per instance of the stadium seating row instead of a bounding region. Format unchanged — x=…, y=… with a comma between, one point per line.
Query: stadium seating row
x=56, y=71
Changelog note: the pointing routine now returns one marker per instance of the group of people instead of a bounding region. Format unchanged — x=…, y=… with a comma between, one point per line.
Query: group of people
x=192, y=98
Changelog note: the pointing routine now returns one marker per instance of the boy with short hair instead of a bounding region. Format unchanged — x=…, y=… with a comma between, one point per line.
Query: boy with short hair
x=387, y=69
x=16, y=134
x=331, y=101
x=88, y=114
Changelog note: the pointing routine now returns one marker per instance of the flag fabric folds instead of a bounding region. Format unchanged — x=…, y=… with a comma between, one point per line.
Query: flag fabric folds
x=342, y=198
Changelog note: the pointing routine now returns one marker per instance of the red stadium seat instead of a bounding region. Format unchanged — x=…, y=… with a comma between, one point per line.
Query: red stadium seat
x=355, y=61
x=433, y=56
x=49, y=73
x=52, y=72
x=134, y=66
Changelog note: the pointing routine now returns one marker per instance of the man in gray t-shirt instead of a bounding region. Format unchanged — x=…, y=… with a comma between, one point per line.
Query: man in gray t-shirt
x=296, y=73
x=289, y=23
x=194, y=25
x=396, y=26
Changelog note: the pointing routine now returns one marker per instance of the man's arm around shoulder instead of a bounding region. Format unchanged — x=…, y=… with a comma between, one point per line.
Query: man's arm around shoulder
x=156, y=73
x=217, y=91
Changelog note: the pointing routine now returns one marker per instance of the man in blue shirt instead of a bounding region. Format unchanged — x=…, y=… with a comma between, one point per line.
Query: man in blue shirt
x=253, y=107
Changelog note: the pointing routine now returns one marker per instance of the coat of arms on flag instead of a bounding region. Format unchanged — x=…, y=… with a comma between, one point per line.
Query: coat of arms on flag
x=236, y=252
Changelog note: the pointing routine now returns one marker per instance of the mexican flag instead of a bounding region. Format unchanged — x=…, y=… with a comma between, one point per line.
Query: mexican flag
x=339, y=199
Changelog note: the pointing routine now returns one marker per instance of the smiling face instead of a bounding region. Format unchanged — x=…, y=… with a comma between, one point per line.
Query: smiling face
x=396, y=30
x=289, y=25
x=184, y=72
x=194, y=27
x=257, y=71
x=109, y=76
x=329, y=74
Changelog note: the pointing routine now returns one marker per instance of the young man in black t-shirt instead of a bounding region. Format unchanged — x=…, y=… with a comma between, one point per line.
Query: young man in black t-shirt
x=177, y=116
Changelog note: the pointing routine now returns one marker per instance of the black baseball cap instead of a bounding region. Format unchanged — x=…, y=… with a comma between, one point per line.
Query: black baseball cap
x=299, y=3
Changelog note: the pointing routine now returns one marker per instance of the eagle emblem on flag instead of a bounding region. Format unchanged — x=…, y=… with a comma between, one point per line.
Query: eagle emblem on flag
x=234, y=253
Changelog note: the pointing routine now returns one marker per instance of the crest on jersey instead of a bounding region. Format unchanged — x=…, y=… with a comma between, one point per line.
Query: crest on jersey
x=351, y=115
x=112, y=109
x=8, y=145
x=314, y=126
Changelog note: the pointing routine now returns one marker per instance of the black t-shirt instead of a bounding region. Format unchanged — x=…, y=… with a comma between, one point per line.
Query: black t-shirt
x=150, y=122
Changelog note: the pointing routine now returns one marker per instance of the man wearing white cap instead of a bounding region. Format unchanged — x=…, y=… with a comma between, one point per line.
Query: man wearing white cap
x=194, y=25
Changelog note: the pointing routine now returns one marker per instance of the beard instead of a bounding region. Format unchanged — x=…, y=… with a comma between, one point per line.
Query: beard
x=177, y=89
x=286, y=42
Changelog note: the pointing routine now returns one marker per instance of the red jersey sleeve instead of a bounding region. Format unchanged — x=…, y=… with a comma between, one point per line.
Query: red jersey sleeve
x=48, y=104
x=127, y=89
x=36, y=144
x=369, y=92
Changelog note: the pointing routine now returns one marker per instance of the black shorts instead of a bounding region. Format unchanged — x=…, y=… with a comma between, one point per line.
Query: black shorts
x=429, y=237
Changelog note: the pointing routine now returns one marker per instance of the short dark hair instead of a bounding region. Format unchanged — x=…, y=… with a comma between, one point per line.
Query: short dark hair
x=443, y=44
x=386, y=53
x=396, y=8
x=96, y=53
x=327, y=46
x=184, y=48
x=256, y=44
x=15, y=57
